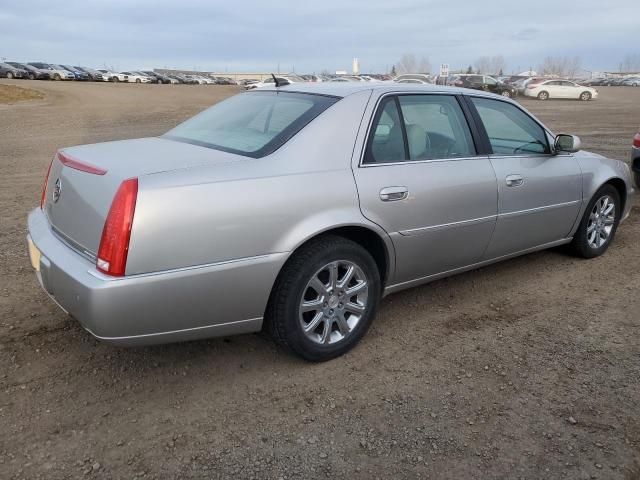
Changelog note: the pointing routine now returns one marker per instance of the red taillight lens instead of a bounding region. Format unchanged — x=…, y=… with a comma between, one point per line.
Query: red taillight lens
x=43, y=197
x=114, y=244
x=76, y=164
x=636, y=140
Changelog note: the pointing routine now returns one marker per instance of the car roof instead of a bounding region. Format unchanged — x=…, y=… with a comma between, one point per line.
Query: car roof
x=344, y=89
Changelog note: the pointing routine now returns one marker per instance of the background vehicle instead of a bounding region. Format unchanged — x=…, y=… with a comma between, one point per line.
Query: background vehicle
x=134, y=77
x=487, y=83
x=94, y=75
x=315, y=274
x=110, y=76
x=635, y=158
x=160, y=78
x=79, y=74
x=269, y=82
x=9, y=71
x=560, y=89
x=56, y=73
x=32, y=73
x=412, y=80
x=423, y=77
x=631, y=82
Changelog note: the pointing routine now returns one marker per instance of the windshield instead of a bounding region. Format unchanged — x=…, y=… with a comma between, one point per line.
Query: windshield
x=253, y=124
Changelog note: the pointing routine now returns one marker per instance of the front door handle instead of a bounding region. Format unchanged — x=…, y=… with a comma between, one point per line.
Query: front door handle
x=514, y=180
x=392, y=194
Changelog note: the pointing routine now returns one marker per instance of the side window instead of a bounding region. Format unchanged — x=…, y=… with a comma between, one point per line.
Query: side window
x=386, y=141
x=435, y=127
x=490, y=81
x=510, y=130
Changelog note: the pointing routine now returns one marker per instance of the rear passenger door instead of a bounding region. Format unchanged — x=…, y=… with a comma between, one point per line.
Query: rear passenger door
x=539, y=194
x=421, y=179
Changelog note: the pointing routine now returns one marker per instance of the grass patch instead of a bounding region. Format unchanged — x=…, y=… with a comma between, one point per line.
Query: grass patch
x=11, y=93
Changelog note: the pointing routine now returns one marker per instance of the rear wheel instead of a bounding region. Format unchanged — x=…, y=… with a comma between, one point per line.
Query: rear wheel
x=543, y=96
x=115, y=79
x=9, y=75
x=56, y=76
x=506, y=93
x=599, y=223
x=32, y=76
x=585, y=96
x=324, y=300
x=138, y=80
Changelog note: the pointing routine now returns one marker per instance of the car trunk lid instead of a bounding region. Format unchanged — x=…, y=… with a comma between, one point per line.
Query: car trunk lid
x=83, y=180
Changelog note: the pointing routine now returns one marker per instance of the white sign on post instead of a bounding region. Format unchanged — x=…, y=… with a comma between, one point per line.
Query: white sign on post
x=444, y=70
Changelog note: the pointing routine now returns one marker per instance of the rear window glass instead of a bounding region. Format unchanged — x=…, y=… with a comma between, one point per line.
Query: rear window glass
x=253, y=124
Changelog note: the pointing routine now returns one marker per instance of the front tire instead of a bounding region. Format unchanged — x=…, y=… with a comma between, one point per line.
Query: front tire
x=506, y=93
x=543, y=96
x=599, y=223
x=138, y=80
x=57, y=77
x=585, y=96
x=324, y=299
x=9, y=75
x=115, y=79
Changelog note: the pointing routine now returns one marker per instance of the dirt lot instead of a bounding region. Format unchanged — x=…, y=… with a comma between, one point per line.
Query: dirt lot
x=526, y=369
x=13, y=94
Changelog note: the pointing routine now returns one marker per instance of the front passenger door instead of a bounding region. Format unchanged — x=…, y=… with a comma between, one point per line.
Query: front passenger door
x=539, y=194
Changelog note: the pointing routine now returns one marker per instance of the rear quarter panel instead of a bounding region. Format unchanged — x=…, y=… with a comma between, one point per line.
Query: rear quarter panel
x=210, y=214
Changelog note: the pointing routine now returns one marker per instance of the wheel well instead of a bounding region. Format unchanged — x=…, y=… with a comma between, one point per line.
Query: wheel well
x=367, y=239
x=621, y=187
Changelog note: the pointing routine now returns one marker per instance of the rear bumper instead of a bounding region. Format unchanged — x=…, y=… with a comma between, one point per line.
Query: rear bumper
x=220, y=299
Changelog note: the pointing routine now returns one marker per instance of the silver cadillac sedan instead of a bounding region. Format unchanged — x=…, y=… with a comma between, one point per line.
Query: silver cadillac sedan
x=295, y=209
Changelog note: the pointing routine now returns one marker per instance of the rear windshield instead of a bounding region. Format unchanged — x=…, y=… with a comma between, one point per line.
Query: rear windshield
x=253, y=124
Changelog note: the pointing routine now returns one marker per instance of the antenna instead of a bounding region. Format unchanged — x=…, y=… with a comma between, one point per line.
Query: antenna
x=275, y=79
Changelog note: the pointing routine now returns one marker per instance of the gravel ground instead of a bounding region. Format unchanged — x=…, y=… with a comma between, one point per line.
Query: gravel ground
x=525, y=369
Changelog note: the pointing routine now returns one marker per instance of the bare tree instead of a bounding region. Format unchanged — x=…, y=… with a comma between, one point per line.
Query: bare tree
x=560, y=66
x=630, y=63
x=490, y=65
x=425, y=65
x=407, y=64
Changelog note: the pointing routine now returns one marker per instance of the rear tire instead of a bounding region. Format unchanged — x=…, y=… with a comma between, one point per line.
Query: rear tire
x=506, y=93
x=543, y=96
x=585, y=96
x=56, y=76
x=9, y=75
x=598, y=227
x=138, y=80
x=32, y=76
x=312, y=311
x=115, y=79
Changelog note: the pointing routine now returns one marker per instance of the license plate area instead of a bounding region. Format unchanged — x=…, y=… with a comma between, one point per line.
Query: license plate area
x=34, y=255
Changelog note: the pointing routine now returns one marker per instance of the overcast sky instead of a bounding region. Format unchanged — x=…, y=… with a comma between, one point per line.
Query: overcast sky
x=311, y=36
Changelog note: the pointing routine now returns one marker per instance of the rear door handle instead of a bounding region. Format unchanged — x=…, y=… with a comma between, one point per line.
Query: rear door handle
x=514, y=180
x=392, y=194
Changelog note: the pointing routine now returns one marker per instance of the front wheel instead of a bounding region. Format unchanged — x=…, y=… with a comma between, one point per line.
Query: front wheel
x=9, y=75
x=138, y=80
x=543, y=96
x=585, y=96
x=506, y=93
x=115, y=79
x=599, y=223
x=324, y=299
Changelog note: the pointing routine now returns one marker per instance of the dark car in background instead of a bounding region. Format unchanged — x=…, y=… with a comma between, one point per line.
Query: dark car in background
x=79, y=74
x=9, y=71
x=33, y=73
x=635, y=158
x=486, y=83
x=94, y=75
x=155, y=77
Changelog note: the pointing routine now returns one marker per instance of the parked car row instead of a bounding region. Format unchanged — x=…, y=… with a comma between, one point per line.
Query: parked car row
x=50, y=71
x=630, y=81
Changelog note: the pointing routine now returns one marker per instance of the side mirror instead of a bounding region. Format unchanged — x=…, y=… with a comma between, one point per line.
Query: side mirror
x=567, y=143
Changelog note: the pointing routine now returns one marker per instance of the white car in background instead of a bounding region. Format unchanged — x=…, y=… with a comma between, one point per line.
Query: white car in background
x=282, y=80
x=111, y=76
x=558, y=88
x=133, y=77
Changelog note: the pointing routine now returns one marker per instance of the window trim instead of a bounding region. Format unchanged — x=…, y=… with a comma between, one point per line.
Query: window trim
x=476, y=136
x=483, y=132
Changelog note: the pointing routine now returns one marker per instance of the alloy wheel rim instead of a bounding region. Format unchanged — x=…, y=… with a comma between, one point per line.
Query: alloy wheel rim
x=601, y=221
x=333, y=302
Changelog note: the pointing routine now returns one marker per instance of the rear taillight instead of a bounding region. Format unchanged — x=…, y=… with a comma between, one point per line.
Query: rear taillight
x=114, y=244
x=636, y=140
x=43, y=197
x=68, y=161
